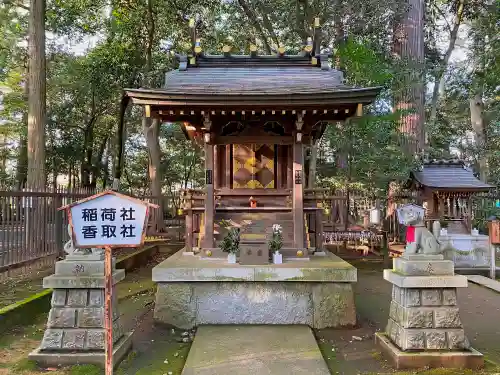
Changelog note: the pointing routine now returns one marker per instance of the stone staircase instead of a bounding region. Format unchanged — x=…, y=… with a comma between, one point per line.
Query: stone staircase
x=457, y=227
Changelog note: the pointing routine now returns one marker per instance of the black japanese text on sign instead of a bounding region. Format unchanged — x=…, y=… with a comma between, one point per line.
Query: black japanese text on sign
x=106, y=229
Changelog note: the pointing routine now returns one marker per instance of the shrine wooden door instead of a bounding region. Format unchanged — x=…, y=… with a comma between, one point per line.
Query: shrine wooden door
x=254, y=166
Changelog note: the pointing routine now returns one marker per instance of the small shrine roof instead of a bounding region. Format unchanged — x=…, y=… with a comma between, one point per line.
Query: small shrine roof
x=255, y=80
x=288, y=79
x=449, y=174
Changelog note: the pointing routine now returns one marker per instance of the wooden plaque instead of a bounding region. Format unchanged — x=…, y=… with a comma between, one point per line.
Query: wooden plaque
x=209, y=177
x=494, y=232
x=254, y=255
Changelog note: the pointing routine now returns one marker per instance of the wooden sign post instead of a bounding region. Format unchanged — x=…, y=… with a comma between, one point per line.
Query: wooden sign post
x=108, y=220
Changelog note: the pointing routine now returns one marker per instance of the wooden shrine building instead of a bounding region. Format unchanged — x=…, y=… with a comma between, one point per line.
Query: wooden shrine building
x=253, y=114
x=445, y=188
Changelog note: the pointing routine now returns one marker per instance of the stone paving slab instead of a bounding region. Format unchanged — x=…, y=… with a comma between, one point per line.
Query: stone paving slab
x=484, y=281
x=262, y=350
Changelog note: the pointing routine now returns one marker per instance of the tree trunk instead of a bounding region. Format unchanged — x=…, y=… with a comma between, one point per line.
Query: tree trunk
x=409, y=47
x=153, y=144
x=313, y=161
x=479, y=126
x=255, y=23
x=22, y=162
x=119, y=146
x=36, y=95
x=439, y=78
x=36, y=179
x=105, y=166
x=70, y=176
x=151, y=129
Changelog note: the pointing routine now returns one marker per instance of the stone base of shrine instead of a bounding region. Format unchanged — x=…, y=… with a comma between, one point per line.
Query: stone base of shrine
x=470, y=359
x=55, y=359
x=193, y=291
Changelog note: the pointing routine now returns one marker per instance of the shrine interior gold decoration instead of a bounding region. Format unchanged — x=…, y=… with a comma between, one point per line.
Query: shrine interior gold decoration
x=253, y=166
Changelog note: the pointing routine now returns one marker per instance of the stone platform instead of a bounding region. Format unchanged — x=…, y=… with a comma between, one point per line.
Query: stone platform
x=424, y=327
x=416, y=360
x=75, y=332
x=193, y=291
x=262, y=350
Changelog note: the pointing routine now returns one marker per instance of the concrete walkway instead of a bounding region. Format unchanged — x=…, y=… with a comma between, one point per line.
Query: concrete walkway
x=262, y=350
x=484, y=281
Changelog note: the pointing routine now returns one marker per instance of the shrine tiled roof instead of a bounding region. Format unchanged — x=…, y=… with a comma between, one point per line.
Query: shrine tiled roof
x=245, y=75
x=255, y=80
x=449, y=174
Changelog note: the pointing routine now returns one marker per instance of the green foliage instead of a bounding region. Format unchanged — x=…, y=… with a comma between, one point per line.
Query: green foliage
x=129, y=49
x=363, y=65
x=276, y=241
x=231, y=241
x=373, y=157
x=24, y=365
x=85, y=370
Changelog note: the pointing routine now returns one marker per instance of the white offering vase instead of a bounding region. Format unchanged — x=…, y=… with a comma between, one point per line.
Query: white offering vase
x=475, y=232
x=277, y=258
x=231, y=258
x=443, y=232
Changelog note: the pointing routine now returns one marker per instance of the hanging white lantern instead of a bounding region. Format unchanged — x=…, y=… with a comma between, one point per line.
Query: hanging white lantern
x=375, y=216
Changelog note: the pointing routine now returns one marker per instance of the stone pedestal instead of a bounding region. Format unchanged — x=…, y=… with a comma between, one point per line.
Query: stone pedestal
x=193, y=291
x=424, y=315
x=75, y=331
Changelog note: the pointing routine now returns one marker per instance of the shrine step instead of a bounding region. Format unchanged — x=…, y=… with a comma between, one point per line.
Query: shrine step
x=254, y=349
x=457, y=227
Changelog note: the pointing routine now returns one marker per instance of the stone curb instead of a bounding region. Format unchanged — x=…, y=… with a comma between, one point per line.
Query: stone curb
x=401, y=360
x=23, y=312
x=485, y=282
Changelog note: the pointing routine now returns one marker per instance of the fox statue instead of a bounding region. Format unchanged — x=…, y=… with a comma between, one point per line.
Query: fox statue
x=419, y=240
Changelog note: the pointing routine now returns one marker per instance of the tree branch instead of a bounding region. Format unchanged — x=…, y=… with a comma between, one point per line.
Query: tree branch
x=267, y=23
x=439, y=79
x=443, y=15
x=255, y=23
x=17, y=4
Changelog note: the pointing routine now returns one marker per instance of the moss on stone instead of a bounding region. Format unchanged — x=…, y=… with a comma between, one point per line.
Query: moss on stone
x=175, y=354
x=31, y=307
x=85, y=370
x=23, y=365
x=265, y=276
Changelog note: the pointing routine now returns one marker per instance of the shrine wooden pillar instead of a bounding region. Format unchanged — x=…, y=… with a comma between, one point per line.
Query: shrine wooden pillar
x=208, y=239
x=298, y=186
x=227, y=167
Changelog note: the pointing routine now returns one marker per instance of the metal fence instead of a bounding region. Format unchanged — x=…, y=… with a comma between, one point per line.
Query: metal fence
x=32, y=228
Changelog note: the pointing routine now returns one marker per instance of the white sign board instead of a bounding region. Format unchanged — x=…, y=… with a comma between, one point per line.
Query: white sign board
x=108, y=220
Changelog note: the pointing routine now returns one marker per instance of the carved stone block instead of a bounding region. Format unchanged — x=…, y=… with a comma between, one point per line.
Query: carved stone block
x=77, y=297
x=92, y=317
x=61, y=318
x=52, y=339
x=436, y=340
x=74, y=339
x=447, y=317
x=431, y=297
